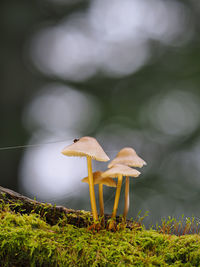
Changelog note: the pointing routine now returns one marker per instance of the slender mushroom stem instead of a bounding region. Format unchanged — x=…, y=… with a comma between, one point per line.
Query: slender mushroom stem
x=91, y=189
x=101, y=200
x=126, y=204
x=117, y=195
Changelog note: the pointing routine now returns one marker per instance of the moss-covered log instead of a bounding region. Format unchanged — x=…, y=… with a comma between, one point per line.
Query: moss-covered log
x=51, y=213
x=39, y=234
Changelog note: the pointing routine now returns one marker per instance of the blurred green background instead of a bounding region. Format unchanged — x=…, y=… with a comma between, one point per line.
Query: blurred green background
x=124, y=71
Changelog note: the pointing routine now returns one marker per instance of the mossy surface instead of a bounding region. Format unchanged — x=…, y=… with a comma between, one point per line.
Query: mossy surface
x=27, y=240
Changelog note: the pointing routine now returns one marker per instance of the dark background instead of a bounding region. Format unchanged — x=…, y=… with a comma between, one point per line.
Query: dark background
x=127, y=72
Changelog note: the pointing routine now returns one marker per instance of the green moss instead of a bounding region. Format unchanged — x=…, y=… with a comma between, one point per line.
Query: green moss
x=27, y=240
x=51, y=214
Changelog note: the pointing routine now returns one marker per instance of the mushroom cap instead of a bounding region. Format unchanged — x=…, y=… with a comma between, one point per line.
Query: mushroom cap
x=120, y=169
x=86, y=146
x=99, y=180
x=129, y=157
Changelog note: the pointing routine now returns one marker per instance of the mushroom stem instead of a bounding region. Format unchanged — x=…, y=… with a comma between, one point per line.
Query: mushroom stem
x=101, y=200
x=91, y=189
x=126, y=204
x=117, y=195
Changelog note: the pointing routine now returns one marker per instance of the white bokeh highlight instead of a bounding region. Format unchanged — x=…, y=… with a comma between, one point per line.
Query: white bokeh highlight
x=111, y=37
x=58, y=109
x=174, y=113
x=49, y=175
x=120, y=20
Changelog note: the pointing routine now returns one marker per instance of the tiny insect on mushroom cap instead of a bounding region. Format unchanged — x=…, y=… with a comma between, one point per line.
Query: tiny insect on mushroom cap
x=129, y=157
x=124, y=170
x=86, y=146
x=98, y=179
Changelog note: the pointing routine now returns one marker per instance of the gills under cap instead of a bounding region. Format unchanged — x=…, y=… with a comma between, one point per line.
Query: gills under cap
x=98, y=179
x=86, y=146
x=120, y=169
x=127, y=156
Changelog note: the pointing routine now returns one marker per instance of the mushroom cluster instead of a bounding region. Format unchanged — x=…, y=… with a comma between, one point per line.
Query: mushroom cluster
x=120, y=166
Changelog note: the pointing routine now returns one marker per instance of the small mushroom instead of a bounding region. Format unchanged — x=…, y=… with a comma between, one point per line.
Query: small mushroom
x=88, y=147
x=97, y=178
x=119, y=171
x=127, y=156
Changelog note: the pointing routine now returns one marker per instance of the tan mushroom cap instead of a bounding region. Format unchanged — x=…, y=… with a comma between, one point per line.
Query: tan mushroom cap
x=86, y=146
x=120, y=169
x=98, y=179
x=129, y=157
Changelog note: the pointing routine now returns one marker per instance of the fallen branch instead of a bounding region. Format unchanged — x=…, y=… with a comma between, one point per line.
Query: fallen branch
x=51, y=213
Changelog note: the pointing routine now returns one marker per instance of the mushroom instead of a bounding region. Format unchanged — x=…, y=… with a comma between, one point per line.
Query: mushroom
x=127, y=156
x=119, y=171
x=97, y=178
x=88, y=147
